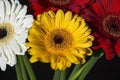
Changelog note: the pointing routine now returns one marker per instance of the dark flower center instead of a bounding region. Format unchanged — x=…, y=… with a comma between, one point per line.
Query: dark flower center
x=111, y=25
x=3, y=33
x=58, y=39
x=60, y=2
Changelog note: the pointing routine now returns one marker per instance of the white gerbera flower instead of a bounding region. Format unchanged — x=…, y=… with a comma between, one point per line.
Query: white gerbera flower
x=14, y=25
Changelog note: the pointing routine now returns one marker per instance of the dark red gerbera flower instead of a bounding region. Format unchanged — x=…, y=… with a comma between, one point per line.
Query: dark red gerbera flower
x=39, y=6
x=104, y=18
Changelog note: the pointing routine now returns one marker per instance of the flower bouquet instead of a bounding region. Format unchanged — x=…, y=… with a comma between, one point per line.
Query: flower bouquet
x=68, y=35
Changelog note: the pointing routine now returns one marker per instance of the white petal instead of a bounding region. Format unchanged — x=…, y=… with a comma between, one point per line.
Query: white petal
x=28, y=19
x=18, y=7
x=22, y=37
x=22, y=12
x=13, y=6
x=8, y=7
x=3, y=63
x=27, y=22
x=7, y=18
x=17, y=1
x=18, y=24
x=11, y=62
x=13, y=19
x=3, y=59
x=20, y=30
x=23, y=49
x=2, y=53
x=2, y=10
x=14, y=46
x=14, y=60
x=7, y=53
x=27, y=25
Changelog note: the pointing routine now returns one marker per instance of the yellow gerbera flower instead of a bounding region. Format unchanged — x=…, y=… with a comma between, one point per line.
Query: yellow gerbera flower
x=60, y=39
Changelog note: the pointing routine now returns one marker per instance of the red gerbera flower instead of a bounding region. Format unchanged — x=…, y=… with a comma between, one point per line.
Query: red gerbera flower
x=39, y=6
x=104, y=18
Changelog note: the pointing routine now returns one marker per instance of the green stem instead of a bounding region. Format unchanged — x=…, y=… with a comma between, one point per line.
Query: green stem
x=76, y=74
x=76, y=68
x=89, y=65
x=57, y=75
x=18, y=71
x=63, y=75
x=29, y=68
x=24, y=74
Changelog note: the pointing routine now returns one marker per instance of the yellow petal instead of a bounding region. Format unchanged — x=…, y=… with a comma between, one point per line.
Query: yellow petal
x=72, y=58
x=59, y=18
x=82, y=25
x=39, y=17
x=34, y=59
x=89, y=51
x=76, y=25
x=46, y=20
x=61, y=63
x=53, y=63
x=51, y=13
x=68, y=17
x=45, y=58
x=84, y=45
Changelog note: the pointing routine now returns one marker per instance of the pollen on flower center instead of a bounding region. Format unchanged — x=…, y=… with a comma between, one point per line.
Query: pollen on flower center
x=60, y=2
x=6, y=32
x=111, y=24
x=58, y=41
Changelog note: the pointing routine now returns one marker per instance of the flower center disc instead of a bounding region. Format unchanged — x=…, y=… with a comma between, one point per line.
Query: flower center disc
x=6, y=32
x=111, y=25
x=58, y=40
x=60, y=2
x=3, y=33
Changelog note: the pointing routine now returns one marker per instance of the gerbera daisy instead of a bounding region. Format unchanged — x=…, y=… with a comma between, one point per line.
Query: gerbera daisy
x=14, y=25
x=59, y=39
x=104, y=16
x=39, y=6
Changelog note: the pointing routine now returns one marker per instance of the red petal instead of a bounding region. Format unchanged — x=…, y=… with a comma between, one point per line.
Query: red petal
x=38, y=6
x=115, y=5
x=108, y=47
x=109, y=53
x=96, y=44
x=74, y=8
x=117, y=47
x=81, y=2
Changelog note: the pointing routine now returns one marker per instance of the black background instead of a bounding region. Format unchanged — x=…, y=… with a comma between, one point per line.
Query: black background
x=102, y=70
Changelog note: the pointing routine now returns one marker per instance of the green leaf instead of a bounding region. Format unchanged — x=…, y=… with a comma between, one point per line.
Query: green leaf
x=76, y=68
x=88, y=66
x=81, y=72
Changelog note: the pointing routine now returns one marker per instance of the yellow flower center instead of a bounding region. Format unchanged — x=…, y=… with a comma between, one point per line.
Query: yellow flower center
x=6, y=32
x=60, y=2
x=58, y=41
